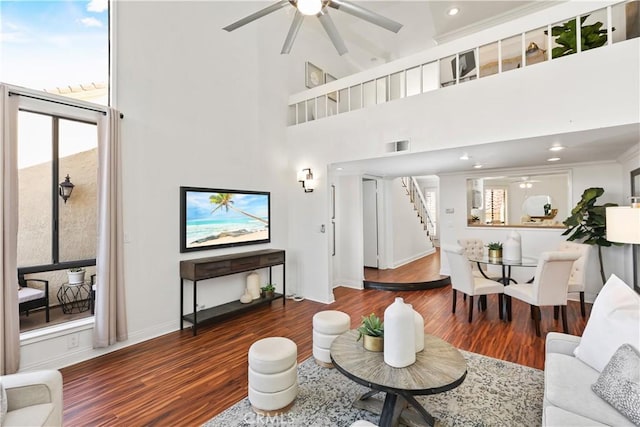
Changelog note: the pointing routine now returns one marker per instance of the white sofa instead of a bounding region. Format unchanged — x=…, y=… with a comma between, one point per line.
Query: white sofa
x=33, y=399
x=573, y=364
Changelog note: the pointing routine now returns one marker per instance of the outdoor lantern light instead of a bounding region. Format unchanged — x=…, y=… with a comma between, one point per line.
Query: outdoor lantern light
x=65, y=188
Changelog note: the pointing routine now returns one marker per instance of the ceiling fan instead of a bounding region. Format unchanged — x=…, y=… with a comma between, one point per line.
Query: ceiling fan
x=319, y=8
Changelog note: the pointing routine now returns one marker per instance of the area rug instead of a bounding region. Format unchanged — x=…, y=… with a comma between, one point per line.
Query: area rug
x=494, y=393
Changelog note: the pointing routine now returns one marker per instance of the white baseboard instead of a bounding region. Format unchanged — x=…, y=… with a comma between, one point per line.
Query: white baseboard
x=402, y=262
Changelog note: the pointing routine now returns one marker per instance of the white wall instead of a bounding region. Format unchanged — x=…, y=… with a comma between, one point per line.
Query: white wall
x=410, y=240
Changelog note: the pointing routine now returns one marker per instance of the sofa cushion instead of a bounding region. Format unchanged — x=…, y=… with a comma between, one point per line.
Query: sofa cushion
x=34, y=415
x=614, y=320
x=567, y=385
x=619, y=382
x=557, y=417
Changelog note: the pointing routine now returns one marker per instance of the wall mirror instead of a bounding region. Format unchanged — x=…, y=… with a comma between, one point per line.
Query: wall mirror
x=534, y=200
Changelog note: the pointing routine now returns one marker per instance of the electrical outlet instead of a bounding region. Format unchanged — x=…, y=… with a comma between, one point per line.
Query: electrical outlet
x=73, y=340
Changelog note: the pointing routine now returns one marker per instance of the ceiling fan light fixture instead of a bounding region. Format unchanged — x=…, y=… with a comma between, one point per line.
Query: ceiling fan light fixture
x=309, y=7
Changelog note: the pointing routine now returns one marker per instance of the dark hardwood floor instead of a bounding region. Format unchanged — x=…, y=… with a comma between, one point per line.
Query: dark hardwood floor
x=178, y=379
x=423, y=273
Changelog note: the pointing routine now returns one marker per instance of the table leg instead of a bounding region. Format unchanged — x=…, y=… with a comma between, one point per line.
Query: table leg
x=393, y=406
x=418, y=407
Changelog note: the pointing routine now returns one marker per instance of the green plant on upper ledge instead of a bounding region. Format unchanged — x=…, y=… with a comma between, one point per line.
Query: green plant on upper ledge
x=588, y=223
x=372, y=326
x=494, y=246
x=591, y=36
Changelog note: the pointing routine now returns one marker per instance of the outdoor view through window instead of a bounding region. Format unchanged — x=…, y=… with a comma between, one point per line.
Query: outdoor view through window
x=60, y=47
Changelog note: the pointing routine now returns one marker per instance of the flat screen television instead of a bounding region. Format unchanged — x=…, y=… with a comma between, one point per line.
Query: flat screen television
x=215, y=218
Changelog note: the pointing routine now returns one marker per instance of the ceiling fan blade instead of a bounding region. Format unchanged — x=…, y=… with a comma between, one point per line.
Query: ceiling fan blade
x=332, y=32
x=366, y=14
x=256, y=15
x=293, y=32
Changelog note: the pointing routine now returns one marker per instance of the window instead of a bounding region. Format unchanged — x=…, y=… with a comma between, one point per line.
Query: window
x=54, y=235
x=57, y=46
x=495, y=201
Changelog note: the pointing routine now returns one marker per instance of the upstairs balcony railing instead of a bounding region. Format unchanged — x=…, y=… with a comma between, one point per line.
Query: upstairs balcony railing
x=596, y=28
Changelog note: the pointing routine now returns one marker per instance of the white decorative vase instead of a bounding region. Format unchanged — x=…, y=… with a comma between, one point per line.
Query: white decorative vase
x=253, y=285
x=418, y=321
x=512, y=247
x=399, y=335
x=246, y=298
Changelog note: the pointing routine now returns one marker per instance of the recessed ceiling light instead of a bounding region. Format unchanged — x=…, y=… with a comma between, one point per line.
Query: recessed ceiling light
x=553, y=159
x=465, y=156
x=453, y=11
x=556, y=148
x=477, y=166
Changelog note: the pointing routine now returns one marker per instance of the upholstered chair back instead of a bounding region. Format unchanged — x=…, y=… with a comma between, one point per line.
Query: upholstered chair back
x=552, y=277
x=459, y=268
x=473, y=248
x=579, y=269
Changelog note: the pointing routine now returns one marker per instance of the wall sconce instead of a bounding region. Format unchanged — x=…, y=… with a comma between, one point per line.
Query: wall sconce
x=533, y=49
x=306, y=178
x=65, y=188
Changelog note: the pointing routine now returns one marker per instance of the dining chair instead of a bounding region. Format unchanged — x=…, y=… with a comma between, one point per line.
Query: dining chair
x=578, y=275
x=549, y=286
x=474, y=248
x=463, y=280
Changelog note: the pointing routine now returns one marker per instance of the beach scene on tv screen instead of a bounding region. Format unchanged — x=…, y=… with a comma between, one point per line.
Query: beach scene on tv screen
x=225, y=218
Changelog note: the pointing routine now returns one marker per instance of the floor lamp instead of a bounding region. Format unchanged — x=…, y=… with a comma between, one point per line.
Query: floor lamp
x=623, y=224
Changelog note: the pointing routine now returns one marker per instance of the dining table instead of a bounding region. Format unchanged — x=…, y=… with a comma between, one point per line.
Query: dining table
x=505, y=264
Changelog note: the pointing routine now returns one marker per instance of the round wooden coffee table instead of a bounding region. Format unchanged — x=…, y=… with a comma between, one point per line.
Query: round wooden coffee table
x=438, y=368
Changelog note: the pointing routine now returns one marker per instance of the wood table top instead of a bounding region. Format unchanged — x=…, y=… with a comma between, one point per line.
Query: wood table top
x=438, y=368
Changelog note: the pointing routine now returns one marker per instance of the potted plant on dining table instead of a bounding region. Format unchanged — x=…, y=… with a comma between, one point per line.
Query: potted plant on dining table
x=495, y=250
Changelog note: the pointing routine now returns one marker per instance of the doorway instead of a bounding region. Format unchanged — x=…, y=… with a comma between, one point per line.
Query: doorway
x=370, y=222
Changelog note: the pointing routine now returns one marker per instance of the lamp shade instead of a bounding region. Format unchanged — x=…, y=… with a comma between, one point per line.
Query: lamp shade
x=623, y=224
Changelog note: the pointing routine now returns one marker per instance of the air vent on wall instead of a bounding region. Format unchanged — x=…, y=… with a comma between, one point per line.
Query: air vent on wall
x=393, y=147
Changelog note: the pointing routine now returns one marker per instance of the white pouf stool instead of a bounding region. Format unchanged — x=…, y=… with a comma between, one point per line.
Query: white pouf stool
x=327, y=325
x=273, y=375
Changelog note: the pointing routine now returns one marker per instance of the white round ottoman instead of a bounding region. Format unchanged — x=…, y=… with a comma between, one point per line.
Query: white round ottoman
x=273, y=375
x=327, y=325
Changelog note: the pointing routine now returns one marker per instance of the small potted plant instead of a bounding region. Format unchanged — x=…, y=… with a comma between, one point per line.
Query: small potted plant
x=75, y=275
x=268, y=290
x=372, y=330
x=495, y=250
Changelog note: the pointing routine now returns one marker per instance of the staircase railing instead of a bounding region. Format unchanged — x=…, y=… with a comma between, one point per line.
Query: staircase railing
x=420, y=205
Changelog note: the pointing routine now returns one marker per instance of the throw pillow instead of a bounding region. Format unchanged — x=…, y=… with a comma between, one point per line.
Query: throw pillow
x=619, y=383
x=614, y=320
x=3, y=403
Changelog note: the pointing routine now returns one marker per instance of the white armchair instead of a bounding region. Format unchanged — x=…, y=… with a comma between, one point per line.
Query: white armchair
x=33, y=398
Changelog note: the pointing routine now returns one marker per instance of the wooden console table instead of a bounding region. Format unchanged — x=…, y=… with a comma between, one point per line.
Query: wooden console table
x=209, y=268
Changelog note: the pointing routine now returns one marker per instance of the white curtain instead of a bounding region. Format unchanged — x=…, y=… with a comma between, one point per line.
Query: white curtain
x=9, y=320
x=110, y=313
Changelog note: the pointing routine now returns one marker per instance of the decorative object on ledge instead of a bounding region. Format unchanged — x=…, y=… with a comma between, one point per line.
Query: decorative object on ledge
x=268, y=290
x=305, y=176
x=320, y=9
x=65, y=188
x=253, y=285
x=371, y=331
x=313, y=76
x=592, y=36
x=246, y=297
